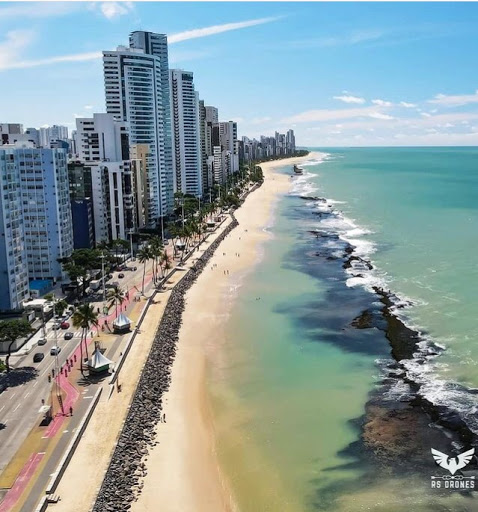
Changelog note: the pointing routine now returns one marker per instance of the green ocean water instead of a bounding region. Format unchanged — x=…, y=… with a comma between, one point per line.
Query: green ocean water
x=295, y=378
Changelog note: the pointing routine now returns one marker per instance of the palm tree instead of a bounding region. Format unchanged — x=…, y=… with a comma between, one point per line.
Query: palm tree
x=116, y=296
x=144, y=255
x=165, y=260
x=84, y=317
x=156, y=246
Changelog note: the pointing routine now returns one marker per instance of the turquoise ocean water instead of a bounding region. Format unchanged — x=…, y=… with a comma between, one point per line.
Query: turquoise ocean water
x=314, y=413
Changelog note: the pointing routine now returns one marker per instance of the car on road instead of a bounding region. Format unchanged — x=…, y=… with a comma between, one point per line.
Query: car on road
x=55, y=351
x=3, y=387
x=56, y=326
x=120, y=276
x=42, y=341
x=68, y=335
x=38, y=357
x=65, y=325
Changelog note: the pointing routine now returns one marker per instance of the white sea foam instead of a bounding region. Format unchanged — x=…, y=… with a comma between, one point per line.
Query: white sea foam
x=423, y=367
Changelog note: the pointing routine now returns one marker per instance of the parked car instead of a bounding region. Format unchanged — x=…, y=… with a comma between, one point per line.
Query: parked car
x=120, y=276
x=56, y=326
x=38, y=357
x=55, y=351
x=42, y=341
x=65, y=325
x=68, y=335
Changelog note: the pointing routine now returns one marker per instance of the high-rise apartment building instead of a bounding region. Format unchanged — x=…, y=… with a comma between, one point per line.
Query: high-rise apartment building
x=157, y=44
x=9, y=129
x=103, y=150
x=46, y=209
x=186, y=133
x=212, y=115
x=38, y=179
x=52, y=133
x=13, y=258
x=134, y=95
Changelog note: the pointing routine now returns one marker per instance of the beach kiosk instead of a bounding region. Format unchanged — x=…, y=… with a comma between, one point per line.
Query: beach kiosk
x=121, y=324
x=98, y=362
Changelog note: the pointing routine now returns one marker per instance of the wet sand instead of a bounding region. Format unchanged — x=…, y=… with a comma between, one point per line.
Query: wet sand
x=183, y=469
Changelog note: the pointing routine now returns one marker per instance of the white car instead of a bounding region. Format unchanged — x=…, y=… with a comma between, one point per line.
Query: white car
x=54, y=351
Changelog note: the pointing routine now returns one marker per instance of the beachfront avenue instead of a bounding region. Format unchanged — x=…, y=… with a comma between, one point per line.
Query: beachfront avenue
x=58, y=381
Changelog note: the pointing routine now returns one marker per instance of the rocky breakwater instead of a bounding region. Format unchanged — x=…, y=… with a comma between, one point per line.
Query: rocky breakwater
x=122, y=482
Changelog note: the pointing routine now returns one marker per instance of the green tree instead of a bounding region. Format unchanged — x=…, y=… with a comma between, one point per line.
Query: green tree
x=80, y=263
x=84, y=317
x=11, y=331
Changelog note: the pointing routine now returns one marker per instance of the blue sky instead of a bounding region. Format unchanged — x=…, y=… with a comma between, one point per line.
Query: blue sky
x=338, y=73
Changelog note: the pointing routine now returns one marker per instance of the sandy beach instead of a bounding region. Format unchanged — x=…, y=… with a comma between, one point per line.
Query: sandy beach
x=183, y=470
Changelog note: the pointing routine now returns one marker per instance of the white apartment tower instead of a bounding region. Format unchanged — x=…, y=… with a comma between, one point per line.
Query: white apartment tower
x=134, y=94
x=185, y=133
x=103, y=147
x=51, y=133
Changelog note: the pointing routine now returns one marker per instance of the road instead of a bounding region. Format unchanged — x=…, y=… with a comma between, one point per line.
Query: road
x=20, y=405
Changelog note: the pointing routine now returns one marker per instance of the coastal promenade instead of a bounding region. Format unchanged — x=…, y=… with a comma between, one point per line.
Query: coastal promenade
x=84, y=475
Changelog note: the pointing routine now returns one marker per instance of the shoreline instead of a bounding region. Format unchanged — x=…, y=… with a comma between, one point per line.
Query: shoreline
x=183, y=470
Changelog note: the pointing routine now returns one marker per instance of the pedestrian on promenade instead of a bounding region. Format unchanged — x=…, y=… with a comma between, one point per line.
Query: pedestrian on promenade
x=71, y=410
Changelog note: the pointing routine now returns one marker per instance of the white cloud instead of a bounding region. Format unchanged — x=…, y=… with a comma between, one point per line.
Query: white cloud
x=455, y=100
x=17, y=40
x=76, y=57
x=425, y=114
x=382, y=103
x=350, y=99
x=379, y=115
x=88, y=107
x=12, y=46
x=38, y=10
x=111, y=10
x=330, y=115
x=407, y=105
x=218, y=29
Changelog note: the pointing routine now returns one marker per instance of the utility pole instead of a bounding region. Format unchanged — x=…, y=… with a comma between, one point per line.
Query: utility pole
x=131, y=242
x=103, y=278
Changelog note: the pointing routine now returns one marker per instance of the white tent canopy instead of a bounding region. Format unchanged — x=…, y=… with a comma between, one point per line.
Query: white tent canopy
x=122, y=321
x=98, y=360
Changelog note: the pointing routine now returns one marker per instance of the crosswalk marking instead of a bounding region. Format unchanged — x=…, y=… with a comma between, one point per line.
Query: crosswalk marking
x=61, y=334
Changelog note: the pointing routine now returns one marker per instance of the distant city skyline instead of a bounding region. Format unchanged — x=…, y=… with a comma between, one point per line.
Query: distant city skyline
x=338, y=74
